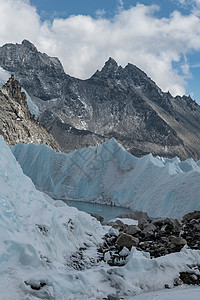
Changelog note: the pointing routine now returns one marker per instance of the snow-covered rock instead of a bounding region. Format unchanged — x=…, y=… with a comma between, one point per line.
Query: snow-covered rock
x=108, y=174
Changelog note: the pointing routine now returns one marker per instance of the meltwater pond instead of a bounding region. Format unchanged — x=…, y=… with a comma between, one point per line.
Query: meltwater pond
x=108, y=212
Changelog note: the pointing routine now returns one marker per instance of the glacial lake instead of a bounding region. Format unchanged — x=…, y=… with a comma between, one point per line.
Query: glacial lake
x=106, y=211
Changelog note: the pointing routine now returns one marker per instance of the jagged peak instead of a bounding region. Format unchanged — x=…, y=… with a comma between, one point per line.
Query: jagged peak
x=29, y=45
x=109, y=69
x=111, y=62
x=13, y=88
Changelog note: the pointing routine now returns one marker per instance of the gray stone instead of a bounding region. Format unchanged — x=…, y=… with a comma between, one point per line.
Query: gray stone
x=127, y=240
x=178, y=241
x=99, y=218
x=132, y=229
x=192, y=215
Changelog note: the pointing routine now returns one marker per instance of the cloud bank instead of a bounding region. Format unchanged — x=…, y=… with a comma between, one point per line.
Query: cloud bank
x=83, y=43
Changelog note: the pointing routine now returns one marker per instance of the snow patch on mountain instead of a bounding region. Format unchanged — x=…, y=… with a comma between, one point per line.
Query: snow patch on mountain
x=34, y=110
x=109, y=174
x=4, y=76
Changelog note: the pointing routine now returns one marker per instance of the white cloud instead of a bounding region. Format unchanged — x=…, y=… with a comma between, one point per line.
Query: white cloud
x=83, y=43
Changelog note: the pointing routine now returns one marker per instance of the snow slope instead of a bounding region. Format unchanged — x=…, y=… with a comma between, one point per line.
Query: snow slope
x=108, y=174
x=182, y=293
x=37, y=235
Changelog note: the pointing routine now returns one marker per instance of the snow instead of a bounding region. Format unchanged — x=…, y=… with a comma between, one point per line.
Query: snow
x=34, y=110
x=108, y=174
x=39, y=235
x=182, y=293
x=4, y=76
x=125, y=221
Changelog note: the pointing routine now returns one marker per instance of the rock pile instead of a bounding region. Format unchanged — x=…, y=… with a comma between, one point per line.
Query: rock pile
x=158, y=237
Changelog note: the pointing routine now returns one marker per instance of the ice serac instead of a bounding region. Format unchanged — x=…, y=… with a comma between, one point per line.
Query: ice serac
x=119, y=102
x=109, y=174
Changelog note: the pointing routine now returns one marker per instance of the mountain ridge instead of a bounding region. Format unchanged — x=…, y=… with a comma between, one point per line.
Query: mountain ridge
x=114, y=102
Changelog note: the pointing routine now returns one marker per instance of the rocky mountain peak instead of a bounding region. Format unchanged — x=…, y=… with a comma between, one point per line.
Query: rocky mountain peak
x=111, y=64
x=29, y=46
x=16, y=122
x=13, y=89
x=109, y=70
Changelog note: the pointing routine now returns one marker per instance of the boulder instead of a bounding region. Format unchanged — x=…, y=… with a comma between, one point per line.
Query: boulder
x=178, y=242
x=127, y=240
x=141, y=216
x=132, y=229
x=99, y=218
x=192, y=215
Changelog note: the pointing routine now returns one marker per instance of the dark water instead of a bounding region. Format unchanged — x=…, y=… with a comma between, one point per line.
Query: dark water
x=106, y=211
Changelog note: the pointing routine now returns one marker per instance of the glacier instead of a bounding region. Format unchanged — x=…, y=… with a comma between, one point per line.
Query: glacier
x=38, y=236
x=110, y=175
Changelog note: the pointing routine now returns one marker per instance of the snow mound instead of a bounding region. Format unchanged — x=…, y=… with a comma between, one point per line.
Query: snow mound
x=38, y=235
x=108, y=174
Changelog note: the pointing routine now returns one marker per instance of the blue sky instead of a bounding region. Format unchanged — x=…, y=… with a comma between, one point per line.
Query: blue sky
x=162, y=40
x=63, y=8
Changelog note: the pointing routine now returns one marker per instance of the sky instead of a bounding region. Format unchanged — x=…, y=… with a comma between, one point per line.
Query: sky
x=160, y=37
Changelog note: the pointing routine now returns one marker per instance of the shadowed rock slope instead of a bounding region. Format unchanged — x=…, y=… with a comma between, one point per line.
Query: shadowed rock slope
x=115, y=102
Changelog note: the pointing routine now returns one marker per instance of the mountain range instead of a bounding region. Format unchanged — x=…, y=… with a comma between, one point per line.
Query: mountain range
x=118, y=102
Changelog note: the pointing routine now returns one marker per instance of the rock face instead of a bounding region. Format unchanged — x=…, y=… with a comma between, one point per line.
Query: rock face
x=16, y=122
x=115, y=102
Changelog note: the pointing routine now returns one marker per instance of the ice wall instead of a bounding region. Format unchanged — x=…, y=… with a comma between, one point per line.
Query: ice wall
x=108, y=174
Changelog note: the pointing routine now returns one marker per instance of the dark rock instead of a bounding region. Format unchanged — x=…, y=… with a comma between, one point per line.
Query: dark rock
x=99, y=218
x=177, y=282
x=127, y=240
x=178, y=242
x=113, y=297
x=192, y=215
x=190, y=278
x=132, y=229
x=140, y=216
